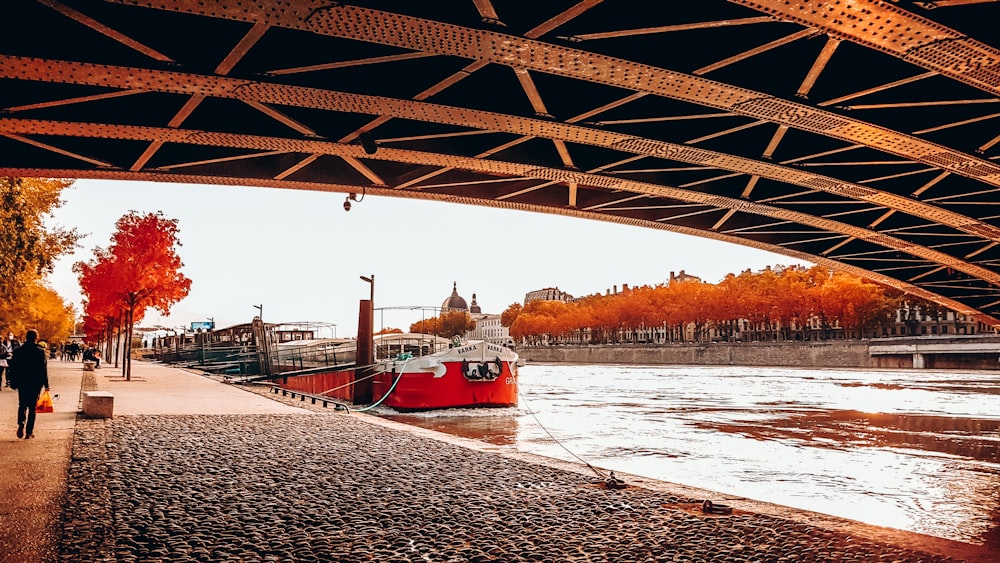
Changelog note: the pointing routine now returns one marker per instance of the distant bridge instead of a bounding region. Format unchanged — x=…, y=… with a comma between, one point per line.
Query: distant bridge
x=919, y=347
x=861, y=135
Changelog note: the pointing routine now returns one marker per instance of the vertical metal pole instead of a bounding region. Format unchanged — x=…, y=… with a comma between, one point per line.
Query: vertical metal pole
x=365, y=356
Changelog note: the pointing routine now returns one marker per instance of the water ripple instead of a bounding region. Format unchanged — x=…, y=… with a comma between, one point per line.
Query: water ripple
x=915, y=450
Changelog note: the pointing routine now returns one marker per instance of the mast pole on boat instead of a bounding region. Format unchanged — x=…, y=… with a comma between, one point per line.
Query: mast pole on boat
x=365, y=360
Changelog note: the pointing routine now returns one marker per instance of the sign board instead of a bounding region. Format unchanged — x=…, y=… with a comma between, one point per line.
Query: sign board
x=202, y=325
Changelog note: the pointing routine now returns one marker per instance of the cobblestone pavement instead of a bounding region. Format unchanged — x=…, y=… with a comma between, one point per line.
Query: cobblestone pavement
x=333, y=487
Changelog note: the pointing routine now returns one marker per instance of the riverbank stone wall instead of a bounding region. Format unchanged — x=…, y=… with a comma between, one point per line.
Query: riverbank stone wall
x=831, y=354
x=822, y=354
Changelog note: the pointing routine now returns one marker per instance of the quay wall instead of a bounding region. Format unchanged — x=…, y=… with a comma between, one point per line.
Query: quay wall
x=833, y=354
x=336, y=384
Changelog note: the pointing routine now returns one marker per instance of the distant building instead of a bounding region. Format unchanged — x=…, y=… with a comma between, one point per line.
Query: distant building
x=488, y=325
x=547, y=294
x=682, y=277
x=488, y=328
x=912, y=321
x=454, y=302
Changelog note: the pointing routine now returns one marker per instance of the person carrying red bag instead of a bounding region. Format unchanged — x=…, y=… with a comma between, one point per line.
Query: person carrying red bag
x=28, y=372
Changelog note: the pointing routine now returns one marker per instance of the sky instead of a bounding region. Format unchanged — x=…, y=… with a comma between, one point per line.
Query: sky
x=299, y=256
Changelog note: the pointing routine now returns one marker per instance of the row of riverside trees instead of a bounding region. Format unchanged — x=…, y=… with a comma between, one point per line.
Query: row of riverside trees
x=138, y=271
x=29, y=249
x=447, y=325
x=781, y=303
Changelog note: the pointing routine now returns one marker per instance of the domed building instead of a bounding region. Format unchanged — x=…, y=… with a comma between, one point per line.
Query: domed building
x=488, y=326
x=454, y=302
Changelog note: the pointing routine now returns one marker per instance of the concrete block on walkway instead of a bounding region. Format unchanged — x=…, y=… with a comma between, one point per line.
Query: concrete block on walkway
x=89, y=366
x=98, y=404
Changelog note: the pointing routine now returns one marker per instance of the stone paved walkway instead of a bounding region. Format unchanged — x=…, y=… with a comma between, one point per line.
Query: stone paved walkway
x=33, y=472
x=192, y=469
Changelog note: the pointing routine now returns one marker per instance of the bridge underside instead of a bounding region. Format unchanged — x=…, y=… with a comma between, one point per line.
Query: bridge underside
x=858, y=135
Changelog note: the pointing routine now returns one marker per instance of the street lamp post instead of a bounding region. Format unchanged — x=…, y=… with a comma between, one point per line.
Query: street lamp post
x=371, y=304
x=260, y=310
x=371, y=281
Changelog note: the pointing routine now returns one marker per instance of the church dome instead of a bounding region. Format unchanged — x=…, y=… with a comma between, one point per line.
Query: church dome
x=474, y=308
x=454, y=302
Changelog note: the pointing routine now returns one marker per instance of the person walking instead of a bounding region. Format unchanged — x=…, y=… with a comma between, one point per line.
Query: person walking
x=29, y=373
x=4, y=354
x=7, y=347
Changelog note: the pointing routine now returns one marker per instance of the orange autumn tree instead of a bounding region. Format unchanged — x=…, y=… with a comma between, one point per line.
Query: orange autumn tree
x=140, y=270
x=29, y=248
x=426, y=326
x=780, y=303
x=39, y=307
x=450, y=323
x=510, y=314
x=52, y=316
x=857, y=304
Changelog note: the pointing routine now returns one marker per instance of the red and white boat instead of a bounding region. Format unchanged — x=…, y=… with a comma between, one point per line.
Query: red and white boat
x=470, y=374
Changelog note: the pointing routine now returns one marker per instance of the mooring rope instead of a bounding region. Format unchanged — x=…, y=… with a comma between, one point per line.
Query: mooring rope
x=389, y=392
x=349, y=383
x=531, y=411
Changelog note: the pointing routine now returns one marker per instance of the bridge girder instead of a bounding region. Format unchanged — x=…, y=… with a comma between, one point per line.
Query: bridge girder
x=861, y=136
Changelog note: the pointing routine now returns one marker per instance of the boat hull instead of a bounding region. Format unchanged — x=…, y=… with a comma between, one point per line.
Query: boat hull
x=442, y=383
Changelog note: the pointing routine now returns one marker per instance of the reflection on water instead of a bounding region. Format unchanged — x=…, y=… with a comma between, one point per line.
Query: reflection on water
x=493, y=426
x=915, y=450
x=972, y=438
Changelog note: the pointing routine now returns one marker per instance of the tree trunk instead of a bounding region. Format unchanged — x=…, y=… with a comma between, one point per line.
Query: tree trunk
x=109, y=336
x=127, y=353
x=118, y=342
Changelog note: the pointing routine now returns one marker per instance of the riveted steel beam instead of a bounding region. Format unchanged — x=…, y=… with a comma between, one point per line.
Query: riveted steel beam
x=280, y=62
x=385, y=28
x=21, y=127
x=155, y=176
x=250, y=91
x=888, y=28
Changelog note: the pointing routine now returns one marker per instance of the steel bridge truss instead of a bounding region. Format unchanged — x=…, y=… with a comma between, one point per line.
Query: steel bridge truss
x=857, y=135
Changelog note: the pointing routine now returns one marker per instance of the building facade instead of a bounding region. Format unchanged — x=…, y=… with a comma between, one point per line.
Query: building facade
x=488, y=326
x=547, y=294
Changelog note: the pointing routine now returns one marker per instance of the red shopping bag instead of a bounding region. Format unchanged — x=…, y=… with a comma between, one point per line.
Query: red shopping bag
x=44, y=403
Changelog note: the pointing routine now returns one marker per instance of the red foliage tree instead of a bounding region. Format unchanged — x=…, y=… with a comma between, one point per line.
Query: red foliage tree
x=140, y=270
x=102, y=310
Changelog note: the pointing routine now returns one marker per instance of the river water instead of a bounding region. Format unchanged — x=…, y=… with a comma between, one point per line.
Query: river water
x=913, y=450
